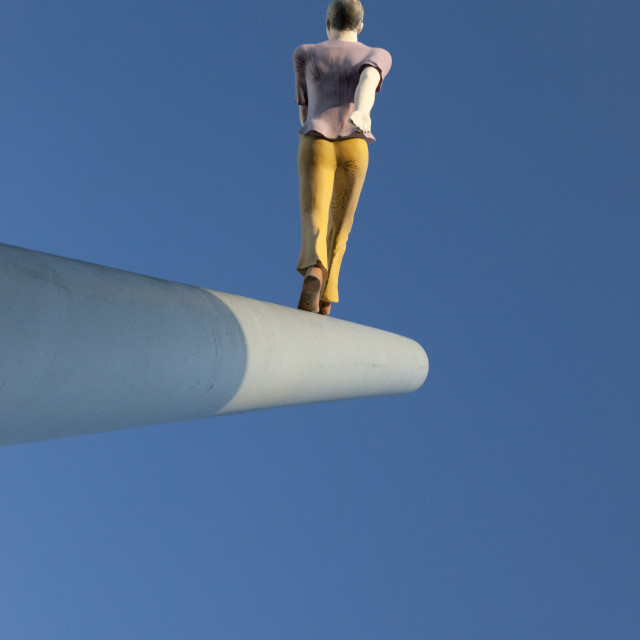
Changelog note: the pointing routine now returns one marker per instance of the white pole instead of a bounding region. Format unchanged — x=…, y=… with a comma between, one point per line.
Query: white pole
x=86, y=349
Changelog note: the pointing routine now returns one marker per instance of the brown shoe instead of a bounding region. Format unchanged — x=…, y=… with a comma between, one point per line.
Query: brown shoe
x=310, y=296
x=325, y=308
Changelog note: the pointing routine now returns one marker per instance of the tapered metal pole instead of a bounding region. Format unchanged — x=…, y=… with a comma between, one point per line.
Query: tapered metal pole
x=86, y=349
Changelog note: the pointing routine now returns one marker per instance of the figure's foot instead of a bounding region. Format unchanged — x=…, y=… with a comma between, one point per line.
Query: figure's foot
x=310, y=295
x=325, y=307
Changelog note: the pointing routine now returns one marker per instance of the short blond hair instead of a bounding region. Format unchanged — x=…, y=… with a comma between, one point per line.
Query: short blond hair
x=344, y=15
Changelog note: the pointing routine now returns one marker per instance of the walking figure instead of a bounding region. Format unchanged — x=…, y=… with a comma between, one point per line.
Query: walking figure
x=336, y=83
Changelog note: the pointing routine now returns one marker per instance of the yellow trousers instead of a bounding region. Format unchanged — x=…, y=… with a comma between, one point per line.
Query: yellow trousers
x=331, y=177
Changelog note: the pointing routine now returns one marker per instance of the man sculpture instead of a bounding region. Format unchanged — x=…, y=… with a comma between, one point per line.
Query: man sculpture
x=336, y=83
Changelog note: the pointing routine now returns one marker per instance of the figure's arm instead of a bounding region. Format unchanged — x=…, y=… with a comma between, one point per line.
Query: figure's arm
x=364, y=99
x=299, y=65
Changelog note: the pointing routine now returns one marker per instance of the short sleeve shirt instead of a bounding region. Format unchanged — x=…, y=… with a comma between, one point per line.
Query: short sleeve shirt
x=327, y=75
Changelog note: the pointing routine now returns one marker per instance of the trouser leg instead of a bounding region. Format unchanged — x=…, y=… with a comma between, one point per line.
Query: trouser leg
x=352, y=164
x=316, y=171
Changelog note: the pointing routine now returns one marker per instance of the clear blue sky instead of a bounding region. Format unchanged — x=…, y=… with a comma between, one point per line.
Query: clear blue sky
x=498, y=227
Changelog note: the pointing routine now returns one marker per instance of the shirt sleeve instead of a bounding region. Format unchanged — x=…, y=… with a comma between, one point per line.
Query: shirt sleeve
x=380, y=59
x=299, y=67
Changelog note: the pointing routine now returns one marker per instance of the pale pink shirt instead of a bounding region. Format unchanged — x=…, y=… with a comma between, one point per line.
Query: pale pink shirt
x=327, y=75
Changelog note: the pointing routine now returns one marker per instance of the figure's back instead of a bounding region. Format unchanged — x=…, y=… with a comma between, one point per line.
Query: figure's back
x=327, y=75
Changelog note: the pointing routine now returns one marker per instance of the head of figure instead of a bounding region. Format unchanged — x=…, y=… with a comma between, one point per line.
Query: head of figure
x=345, y=15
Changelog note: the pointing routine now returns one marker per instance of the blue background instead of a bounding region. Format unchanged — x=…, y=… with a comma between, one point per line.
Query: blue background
x=498, y=227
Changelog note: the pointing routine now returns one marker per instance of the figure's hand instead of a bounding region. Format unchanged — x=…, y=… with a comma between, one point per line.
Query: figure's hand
x=304, y=110
x=361, y=121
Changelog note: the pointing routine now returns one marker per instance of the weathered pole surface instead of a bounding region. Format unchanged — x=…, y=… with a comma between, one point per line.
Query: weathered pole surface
x=86, y=349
